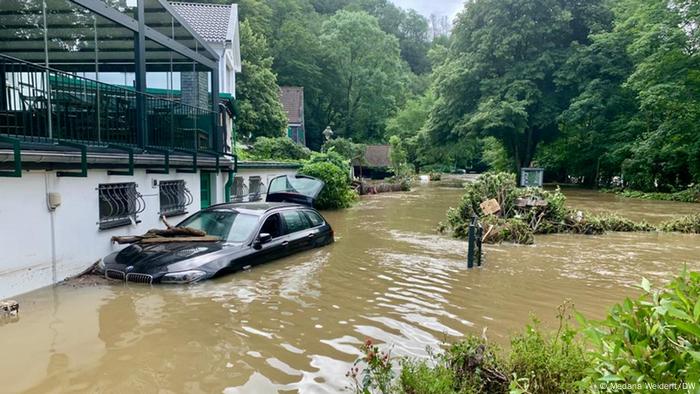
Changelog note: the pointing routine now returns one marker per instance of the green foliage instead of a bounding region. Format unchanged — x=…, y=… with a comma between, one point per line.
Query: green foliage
x=686, y=224
x=377, y=370
x=280, y=148
x=499, y=76
x=689, y=195
x=261, y=112
x=345, y=147
x=334, y=171
x=495, y=156
x=653, y=339
x=366, y=70
x=548, y=363
x=538, y=362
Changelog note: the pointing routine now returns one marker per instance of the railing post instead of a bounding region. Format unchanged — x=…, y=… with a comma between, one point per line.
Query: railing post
x=140, y=76
x=470, y=247
x=215, y=133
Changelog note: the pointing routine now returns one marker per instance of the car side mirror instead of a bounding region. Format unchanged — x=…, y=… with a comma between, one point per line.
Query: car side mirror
x=262, y=239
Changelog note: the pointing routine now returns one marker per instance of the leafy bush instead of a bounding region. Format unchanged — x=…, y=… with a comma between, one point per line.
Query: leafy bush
x=686, y=224
x=334, y=170
x=469, y=366
x=435, y=176
x=280, y=148
x=653, y=339
x=344, y=147
x=548, y=363
x=689, y=195
x=538, y=362
x=377, y=370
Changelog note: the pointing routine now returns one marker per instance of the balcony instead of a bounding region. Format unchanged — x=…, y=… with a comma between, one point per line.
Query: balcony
x=40, y=105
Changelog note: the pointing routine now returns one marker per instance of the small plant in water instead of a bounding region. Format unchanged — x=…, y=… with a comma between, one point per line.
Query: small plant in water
x=373, y=372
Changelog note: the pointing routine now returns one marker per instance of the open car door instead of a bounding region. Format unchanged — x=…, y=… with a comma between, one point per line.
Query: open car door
x=298, y=189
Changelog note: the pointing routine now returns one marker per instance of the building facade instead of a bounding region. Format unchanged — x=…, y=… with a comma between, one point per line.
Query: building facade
x=86, y=153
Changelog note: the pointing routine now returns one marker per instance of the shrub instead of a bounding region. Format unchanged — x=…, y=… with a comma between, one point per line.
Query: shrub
x=653, y=339
x=469, y=366
x=333, y=170
x=279, y=148
x=691, y=194
x=686, y=224
x=377, y=370
x=548, y=363
x=344, y=147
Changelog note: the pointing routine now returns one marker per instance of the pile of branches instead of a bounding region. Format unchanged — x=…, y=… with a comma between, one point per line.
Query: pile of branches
x=525, y=212
x=170, y=234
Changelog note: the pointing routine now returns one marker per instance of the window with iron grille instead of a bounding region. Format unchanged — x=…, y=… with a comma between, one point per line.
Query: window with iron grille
x=239, y=189
x=174, y=198
x=120, y=204
x=255, y=188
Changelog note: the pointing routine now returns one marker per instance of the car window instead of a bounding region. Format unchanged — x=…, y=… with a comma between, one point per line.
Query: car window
x=294, y=221
x=314, y=218
x=272, y=226
x=306, y=186
x=227, y=225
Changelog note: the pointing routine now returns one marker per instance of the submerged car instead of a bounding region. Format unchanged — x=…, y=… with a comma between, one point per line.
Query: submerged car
x=248, y=234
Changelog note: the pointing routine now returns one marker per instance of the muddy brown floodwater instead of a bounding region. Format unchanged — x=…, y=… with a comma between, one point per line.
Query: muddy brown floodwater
x=296, y=324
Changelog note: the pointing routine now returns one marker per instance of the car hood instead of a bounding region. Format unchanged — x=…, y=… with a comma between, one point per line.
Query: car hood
x=147, y=258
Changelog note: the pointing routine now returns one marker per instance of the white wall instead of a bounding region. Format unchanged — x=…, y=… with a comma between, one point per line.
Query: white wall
x=39, y=247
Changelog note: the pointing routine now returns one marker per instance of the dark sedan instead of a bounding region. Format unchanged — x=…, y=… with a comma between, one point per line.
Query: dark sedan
x=249, y=234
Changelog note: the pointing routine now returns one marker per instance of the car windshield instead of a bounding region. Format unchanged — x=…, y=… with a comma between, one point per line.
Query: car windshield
x=227, y=225
x=306, y=186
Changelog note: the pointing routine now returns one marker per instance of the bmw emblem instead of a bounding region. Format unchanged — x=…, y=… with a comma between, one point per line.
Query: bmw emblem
x=129, y=268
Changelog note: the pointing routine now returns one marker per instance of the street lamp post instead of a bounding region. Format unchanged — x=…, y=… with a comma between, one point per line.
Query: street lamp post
x=328, y=133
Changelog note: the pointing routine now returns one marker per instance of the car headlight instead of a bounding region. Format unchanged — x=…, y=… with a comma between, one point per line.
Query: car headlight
x=190, y=276
x=100, y=267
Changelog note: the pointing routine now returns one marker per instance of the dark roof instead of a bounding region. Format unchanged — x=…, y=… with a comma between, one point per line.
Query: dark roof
x=254, y=208
x=377, y=156
x=292, y=99
x=211, y=21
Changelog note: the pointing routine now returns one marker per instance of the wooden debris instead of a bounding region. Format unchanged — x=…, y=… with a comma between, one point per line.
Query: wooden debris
x=156, y=240
x=530, y=202
x=173, y=234
x=490, y=207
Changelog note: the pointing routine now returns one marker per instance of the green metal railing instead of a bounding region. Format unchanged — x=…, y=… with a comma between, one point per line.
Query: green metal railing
x=44, y=105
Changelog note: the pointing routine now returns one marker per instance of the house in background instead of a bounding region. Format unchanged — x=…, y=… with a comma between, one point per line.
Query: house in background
x=217, y=24
x=375, y=164
x=292, y=99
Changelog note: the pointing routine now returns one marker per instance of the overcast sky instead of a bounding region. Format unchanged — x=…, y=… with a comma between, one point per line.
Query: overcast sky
x=437, y=7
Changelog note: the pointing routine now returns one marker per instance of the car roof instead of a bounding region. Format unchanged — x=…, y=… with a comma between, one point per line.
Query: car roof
x=254, y=208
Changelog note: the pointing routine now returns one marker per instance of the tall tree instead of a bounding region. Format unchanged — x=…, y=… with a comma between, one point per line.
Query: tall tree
x=499, y=78
x=261, y=112
x=364, y=63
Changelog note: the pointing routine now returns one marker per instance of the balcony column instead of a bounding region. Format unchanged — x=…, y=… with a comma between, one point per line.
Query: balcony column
x=216, y=130
x=140, y=76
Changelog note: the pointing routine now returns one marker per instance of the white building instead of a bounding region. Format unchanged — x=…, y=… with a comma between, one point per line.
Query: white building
x=82, y=160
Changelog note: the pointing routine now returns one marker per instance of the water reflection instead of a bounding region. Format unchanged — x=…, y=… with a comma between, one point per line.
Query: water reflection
x=297, y=324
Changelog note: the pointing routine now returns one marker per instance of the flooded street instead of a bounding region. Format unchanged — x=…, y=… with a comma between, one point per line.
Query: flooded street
x=297, y=323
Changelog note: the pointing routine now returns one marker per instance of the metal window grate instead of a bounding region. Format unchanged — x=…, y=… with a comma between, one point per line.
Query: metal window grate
x=174, y=198
x=256, y=188
x=120, y=204
x=240, y=190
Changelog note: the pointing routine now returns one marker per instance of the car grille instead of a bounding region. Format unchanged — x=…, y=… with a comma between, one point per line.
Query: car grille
x=114, y=274
x=139, y=278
